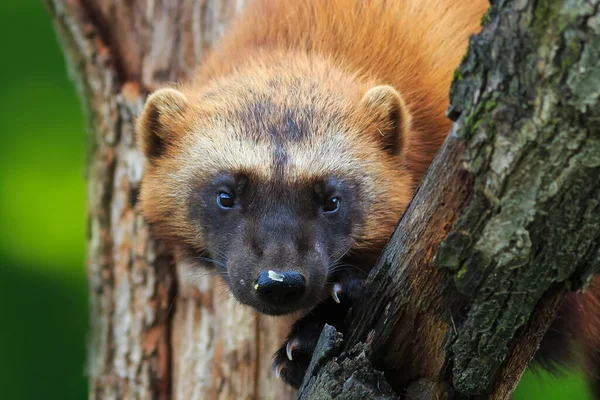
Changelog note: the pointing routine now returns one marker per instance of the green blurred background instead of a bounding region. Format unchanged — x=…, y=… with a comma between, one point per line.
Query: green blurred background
x=43, y=293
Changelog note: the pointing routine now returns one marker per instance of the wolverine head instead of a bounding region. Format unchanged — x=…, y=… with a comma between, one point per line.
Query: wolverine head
x=275, y=176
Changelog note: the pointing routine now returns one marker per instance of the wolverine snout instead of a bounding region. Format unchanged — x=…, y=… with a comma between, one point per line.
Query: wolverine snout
x=280, y=287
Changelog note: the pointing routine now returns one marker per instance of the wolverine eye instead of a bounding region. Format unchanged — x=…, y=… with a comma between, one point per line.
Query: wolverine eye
x=225, y=200
x=331, y=205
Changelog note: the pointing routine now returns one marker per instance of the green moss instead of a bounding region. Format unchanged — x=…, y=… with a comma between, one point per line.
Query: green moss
x=485, y=19
x=490, y=104
x=461, y=272
x=545, y=11
x=450, y=250
x=458, y=75
x=571, y=54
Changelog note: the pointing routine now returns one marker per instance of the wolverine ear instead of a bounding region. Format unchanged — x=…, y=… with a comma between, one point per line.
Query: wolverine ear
x=154, y=126
x=390, y=114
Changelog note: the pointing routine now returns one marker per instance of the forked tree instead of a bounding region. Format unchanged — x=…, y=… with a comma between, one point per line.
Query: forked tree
x=505, y=223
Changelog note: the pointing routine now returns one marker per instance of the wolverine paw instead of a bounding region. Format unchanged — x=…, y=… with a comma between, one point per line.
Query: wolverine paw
x=292, y=359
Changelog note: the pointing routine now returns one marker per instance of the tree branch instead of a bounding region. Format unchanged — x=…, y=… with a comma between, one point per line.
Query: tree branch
x=507, y=219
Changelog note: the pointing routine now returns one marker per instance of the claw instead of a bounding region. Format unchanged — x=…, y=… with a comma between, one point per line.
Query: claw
x=335, y=291
x=290, y=347
x=277, y=370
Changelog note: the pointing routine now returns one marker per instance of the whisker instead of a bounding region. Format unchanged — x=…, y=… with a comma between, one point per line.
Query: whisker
x=343, y=254
x=318, y=298
x=211, y=260
x=341, y=265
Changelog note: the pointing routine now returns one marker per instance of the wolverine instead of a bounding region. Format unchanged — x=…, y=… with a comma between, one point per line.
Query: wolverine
x=291, y=154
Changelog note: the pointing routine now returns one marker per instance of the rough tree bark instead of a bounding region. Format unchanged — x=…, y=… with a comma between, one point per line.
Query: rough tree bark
x=506, y=221
x=159, y=330
x=513, y=199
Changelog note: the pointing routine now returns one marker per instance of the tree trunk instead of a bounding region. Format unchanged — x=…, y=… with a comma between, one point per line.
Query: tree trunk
x=506, y=221
x=159, y=329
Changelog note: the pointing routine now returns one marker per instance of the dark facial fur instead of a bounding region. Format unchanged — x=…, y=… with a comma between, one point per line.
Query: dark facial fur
x=276, y=226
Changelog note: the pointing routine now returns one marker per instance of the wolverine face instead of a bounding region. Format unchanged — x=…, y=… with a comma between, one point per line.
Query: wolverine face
x=276, y=241
x=276, y=189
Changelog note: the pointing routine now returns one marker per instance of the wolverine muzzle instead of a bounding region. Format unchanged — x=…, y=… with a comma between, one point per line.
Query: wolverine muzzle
x=280, y=287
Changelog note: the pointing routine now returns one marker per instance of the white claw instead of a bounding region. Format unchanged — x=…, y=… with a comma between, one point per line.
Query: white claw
x=335, y=290
x=290, y=347
x=277, y=370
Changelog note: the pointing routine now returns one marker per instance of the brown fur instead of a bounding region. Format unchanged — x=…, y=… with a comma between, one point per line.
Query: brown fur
x=329, y=54
x=413, y=45
x=315, y=66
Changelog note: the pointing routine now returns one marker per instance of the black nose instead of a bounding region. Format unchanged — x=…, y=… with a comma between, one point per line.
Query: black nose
x=280, y=287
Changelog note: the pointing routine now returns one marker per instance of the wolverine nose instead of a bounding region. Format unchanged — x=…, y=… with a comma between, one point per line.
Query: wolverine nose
x=280, y=287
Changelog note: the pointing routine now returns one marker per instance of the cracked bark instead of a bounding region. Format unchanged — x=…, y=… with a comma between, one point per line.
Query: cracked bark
x=159, y=330
x=506, y=221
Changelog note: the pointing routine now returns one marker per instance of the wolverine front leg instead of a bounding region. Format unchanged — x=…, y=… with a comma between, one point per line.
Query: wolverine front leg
x=292, y=359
